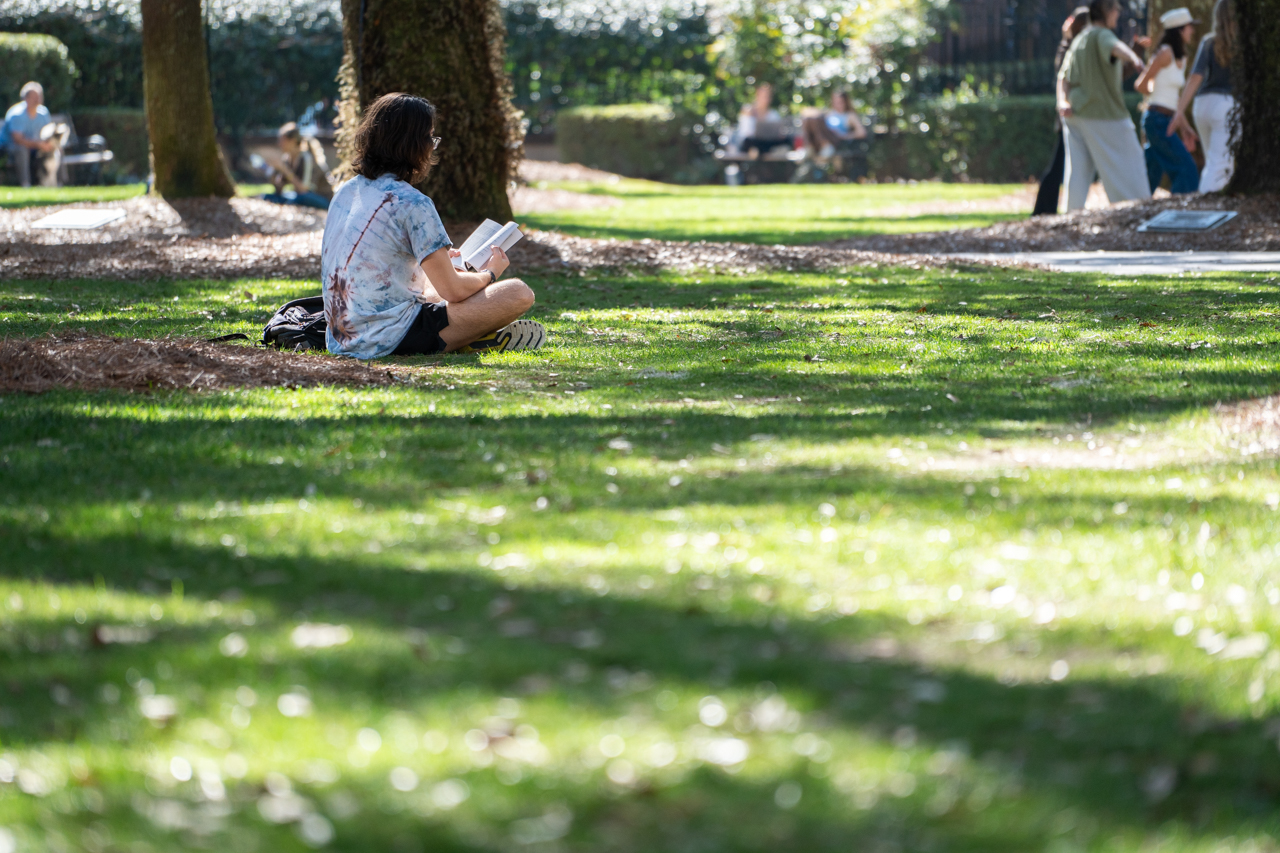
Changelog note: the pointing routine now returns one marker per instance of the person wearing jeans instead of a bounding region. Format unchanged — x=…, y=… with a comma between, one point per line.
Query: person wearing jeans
x=1162, y=81
x=1098, y=131
x=1211, y=87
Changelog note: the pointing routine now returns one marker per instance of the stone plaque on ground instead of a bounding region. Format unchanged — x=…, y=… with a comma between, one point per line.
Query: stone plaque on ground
x=80, y=219
x=1181, y=221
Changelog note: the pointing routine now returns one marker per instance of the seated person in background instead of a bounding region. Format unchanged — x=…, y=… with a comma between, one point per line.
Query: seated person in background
x=303, y=166
x=760, y=128
x=23, y=124
x=390, y=287
x=825, y=130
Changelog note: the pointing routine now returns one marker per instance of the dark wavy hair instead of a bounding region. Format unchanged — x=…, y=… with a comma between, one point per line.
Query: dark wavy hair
x=1098, y=9
x=395, y=136
x=1173, y=38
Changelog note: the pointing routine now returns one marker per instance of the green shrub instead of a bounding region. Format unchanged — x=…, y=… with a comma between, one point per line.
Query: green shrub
x=25, y=56
x=993, y=140
x=636, y=140
x=126, y=134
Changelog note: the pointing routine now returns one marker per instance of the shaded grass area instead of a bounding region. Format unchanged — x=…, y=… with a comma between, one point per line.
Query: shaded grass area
x=723, y=568
x=768, y=213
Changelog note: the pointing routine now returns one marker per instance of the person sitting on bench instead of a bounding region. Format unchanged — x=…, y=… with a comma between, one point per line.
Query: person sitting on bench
x=303, y=166
x=29, y=148
x=826, y=130
x=390, y=286
x=760, y=128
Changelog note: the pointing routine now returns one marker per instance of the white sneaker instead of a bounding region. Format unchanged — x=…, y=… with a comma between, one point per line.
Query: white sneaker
x=520, y=335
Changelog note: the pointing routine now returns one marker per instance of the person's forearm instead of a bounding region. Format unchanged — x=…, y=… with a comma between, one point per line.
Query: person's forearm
x=1125, y=54
x=1064, y=93
x=451, y=284
x=21, y=139
x=1189, y=92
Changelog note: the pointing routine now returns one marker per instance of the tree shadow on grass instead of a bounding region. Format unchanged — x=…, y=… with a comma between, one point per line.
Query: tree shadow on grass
x=1127, y=756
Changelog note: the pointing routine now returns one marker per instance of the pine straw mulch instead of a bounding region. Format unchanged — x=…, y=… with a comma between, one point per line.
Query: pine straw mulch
x=92, y=362
x=1256, y=229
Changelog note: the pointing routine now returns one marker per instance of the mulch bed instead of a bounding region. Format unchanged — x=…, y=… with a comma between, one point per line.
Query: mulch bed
x=95, y=361
x=250, y=238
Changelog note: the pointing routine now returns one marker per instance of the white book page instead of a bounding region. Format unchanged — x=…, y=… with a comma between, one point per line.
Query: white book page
x=479, y=239
x=505, y=236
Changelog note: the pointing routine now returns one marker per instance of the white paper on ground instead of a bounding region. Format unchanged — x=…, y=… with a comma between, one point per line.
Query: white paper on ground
x=80, y=219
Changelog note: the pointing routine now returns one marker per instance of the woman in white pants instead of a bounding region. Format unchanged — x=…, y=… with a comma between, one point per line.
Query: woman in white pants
x=1096, y=125
x=1211, y=87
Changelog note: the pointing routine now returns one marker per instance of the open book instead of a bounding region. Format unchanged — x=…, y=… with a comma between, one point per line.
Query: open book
x=478, y=247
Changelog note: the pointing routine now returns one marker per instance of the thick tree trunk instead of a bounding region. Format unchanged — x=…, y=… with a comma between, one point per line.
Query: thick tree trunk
x=175, y=80
x=452, y=53
x=1256, y=75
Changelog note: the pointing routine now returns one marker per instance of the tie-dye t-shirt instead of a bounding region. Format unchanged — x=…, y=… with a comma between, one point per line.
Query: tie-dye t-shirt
x=377, y=234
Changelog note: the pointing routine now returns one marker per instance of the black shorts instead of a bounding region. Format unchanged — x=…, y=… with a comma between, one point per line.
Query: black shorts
x=423, y=337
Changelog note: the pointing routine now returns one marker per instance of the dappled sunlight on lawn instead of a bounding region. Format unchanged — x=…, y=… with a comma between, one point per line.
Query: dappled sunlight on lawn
x=888, y=560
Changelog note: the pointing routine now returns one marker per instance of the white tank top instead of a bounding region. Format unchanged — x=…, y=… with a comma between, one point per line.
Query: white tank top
x=1168, y=84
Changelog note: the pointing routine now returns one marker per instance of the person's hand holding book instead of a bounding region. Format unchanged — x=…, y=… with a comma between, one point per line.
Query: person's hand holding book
x=497, y=263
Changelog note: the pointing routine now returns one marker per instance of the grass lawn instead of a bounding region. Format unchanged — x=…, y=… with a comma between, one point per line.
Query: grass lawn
x=737, y=563
x=777, y=213
x=13, y=197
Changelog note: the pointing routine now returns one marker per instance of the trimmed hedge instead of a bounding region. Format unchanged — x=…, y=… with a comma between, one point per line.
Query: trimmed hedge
x=26, y=56
x=637, y=140
x=126, y=134
x=994, y=140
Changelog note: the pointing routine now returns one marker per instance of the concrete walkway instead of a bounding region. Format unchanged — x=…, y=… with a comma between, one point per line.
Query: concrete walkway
x=1137, y=263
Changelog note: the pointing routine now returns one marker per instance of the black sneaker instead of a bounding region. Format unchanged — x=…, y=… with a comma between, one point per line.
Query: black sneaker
x=520, y=335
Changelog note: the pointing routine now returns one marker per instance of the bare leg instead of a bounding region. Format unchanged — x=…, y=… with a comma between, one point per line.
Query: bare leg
x=487, y=311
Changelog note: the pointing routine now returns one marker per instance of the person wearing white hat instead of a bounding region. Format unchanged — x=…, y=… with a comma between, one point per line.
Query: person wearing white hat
x=1211, y=86
x=1162, y=81
x=1099, y=133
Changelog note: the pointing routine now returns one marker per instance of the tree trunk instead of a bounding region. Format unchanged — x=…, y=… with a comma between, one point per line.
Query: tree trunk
x=175, y=80
x=1256, y=75
x=452, y=53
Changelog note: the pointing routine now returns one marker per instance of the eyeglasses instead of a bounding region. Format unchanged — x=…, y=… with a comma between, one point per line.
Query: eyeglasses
x=435, y=142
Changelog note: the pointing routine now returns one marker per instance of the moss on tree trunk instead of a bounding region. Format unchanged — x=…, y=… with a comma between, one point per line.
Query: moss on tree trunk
x=1256, y=75
x=452, y=53
x=175, y=80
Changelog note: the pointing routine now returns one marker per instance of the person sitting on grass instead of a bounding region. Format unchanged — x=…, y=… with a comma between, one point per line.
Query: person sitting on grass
x=389, y=285
x=29, y=150
x=303, y=166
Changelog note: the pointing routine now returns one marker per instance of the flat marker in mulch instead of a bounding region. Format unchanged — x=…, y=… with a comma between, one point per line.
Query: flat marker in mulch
x=79, y=219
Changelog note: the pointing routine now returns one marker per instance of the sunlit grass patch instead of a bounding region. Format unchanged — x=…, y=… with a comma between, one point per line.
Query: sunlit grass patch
x=773, y=213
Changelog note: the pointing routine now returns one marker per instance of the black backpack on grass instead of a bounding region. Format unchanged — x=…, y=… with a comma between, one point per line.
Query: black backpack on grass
x=299, y=325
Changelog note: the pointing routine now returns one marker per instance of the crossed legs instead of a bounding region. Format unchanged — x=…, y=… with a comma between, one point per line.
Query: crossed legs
x=497, y=305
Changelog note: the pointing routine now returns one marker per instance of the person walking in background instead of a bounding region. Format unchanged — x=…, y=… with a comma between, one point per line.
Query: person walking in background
x=1211, y=87
x=29, y=151
x=1098, y=131
x=1162, y=81
x=1051, y=181
x=303, y=166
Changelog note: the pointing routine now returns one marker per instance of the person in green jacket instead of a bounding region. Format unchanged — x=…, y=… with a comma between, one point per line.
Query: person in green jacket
x=1097, y=128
